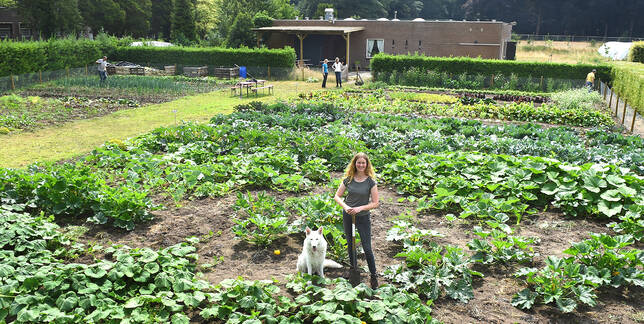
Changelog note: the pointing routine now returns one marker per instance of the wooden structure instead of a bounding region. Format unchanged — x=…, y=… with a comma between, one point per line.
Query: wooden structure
x=195, y=71
x=226, y=72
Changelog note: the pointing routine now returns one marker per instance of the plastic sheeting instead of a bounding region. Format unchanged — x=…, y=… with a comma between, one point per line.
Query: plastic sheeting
x=615, y=50
x=152, y=43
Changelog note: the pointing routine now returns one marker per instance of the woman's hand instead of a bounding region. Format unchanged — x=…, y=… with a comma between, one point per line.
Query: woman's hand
x=354, y=210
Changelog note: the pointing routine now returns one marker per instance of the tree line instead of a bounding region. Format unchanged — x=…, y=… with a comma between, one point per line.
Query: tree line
x=229, y=22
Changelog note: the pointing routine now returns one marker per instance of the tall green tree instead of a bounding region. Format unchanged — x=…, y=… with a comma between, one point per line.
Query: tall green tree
x=160, y=22
x=137, y=17
x=240, y=32
x=183, y=21
x=49, y=17
x=104, y=15
x=8, y=3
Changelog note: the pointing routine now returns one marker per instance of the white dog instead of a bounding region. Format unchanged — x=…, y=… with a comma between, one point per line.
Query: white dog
x=312, y=260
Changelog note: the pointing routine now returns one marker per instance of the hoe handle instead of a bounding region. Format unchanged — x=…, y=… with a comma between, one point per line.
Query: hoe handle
x=353, y=238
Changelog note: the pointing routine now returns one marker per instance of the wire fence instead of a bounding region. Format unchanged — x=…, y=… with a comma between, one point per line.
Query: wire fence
x=573, y=38
x=21, y=81
x=624, y=114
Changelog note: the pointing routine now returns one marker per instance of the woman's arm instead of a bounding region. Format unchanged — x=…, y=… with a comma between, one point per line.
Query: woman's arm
x=338, y=198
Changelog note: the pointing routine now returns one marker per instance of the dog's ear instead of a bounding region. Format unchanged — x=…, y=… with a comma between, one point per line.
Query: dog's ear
x=308, y=231
x=320, y=229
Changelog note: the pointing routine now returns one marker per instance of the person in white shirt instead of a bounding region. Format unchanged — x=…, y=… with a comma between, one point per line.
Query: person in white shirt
x=337, y=67
x=102, y=68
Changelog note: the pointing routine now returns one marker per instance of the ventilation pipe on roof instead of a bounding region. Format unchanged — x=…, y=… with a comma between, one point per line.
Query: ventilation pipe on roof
x=328, y=14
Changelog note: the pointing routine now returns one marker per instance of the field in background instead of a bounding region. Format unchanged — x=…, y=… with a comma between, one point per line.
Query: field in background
x=560, y=52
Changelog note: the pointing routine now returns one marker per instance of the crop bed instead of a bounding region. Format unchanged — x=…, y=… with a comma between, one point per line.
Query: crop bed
x=76, y=98
x=481, y=223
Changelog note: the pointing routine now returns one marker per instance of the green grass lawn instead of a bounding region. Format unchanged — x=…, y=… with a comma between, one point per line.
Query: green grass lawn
x=81, y=136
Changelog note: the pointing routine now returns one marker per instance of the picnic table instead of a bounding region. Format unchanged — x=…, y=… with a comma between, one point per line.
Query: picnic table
x=249, y=85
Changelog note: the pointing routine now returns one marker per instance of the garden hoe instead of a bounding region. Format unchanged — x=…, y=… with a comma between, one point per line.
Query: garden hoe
x=354, y=274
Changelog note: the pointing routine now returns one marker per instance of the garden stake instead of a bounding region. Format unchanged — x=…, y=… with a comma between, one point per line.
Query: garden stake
x=541, y=83
x=633, y=122
x=492, y=81
x=624, y=113
x=616, y=104
x=13, y=86
x=354, y=274
x=40, y=76
x=610, y=101
x=269, y=73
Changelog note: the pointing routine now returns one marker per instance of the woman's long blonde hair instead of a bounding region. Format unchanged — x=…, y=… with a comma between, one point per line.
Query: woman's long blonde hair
x=350, y=171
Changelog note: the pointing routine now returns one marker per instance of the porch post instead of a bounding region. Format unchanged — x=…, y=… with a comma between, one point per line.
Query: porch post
x=346, y=37
x=259, y=36
x=301, y=36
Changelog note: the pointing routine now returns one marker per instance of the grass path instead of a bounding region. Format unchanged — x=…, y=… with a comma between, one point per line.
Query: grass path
x=80, y=137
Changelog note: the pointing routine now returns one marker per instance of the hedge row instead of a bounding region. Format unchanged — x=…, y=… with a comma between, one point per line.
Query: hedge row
x=636, y=53
x=28, y=57
x=628, y=82
x=385, y=63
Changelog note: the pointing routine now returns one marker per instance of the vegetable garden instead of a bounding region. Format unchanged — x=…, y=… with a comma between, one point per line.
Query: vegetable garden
x=491, y=211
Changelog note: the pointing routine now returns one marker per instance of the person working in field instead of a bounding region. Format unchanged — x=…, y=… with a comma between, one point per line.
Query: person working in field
x=102, y=68
x=590, y=80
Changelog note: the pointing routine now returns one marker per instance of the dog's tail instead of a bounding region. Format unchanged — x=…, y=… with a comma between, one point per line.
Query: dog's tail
x=331, y=264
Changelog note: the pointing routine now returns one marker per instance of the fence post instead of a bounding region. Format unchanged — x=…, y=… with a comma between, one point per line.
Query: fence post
x=269, y=73
x=624, y=113
x=616, y=104
x=633, y=122
x=541, y=83
x=13, y=86
x=610, y=101
x=40, y=76
x=492, y=81
x=605, y=90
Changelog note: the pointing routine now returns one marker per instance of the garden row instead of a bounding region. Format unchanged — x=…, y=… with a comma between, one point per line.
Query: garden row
x=574, y=107
x=478, y=73
x=66, y=99
x=291, y=147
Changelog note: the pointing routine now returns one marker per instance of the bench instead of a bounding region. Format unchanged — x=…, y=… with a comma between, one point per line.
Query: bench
x=269, y=87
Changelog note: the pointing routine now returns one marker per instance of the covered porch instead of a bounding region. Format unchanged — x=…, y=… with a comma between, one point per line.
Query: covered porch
x=314, y=43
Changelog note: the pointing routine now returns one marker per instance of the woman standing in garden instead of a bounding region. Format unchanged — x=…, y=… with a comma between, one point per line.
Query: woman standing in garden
x=362, y=196
x=337, y=67
x=325, y=72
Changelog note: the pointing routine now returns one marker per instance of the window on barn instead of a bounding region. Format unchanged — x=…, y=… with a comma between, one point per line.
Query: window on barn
x=375, y=46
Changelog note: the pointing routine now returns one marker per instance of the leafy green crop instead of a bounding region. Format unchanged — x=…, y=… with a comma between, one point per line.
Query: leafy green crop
x=261, y=219
x=39, y=283
x=600, y=261
x=430, y=272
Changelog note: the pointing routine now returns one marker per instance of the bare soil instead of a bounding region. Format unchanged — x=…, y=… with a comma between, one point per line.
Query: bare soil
x=492, y=294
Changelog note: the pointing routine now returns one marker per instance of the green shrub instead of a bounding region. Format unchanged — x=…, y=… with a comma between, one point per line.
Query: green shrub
x=636, y=53
x=27, y=57
x=385, y=63
x=628, y=81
